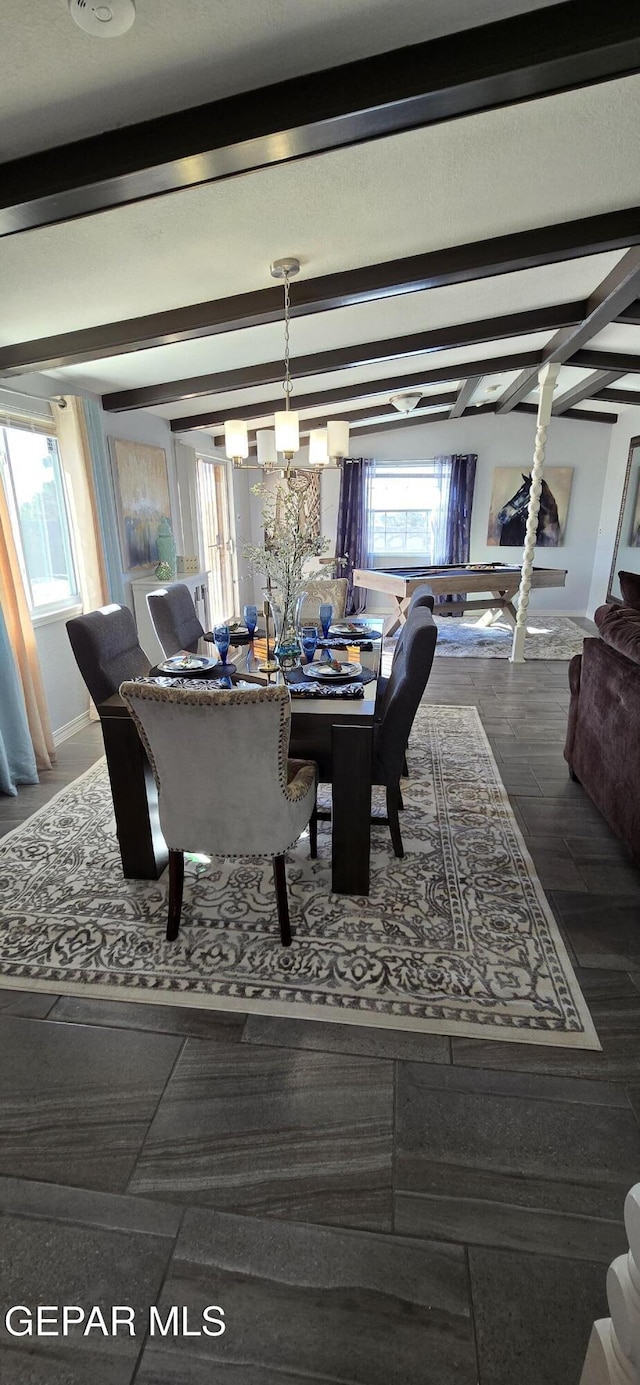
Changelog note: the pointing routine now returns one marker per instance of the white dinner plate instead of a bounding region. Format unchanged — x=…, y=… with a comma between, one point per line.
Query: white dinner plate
x=187, y=663
x=346, y=627
x=323, y=672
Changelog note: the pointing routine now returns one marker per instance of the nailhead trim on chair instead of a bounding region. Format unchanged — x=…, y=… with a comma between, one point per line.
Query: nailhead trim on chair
x=293, y=791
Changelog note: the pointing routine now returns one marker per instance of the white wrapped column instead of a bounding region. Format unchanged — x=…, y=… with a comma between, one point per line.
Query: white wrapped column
x=547, y=379
x=613, y=1355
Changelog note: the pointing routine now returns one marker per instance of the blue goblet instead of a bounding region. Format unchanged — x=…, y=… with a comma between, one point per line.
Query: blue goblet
x=250, y=615
x=222, y=637
x=309, y=641
x=326, y=612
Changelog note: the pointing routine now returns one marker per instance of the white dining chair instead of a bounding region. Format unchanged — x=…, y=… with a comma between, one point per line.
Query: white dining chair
x=333, y=591
x=226, y=786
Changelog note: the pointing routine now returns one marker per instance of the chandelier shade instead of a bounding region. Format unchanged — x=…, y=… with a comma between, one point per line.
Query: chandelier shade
x=287, y=432
x=266, y=445
x=318, y=454
x=338, y=437
x=236, y=438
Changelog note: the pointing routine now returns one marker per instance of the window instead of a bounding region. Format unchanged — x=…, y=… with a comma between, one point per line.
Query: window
x=407, y=509
x=34, y=483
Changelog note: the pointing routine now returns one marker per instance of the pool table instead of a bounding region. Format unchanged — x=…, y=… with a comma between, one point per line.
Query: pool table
x=499, y=582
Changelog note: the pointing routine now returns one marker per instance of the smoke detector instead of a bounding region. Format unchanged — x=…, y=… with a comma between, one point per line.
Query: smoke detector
x=107, y=20
x=405, y=403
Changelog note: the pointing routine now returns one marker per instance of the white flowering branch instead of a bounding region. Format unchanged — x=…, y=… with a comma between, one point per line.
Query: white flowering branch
x=289, y=544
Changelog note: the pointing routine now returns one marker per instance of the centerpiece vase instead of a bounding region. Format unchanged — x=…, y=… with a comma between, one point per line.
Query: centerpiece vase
x=298, y=609
x=287, y=648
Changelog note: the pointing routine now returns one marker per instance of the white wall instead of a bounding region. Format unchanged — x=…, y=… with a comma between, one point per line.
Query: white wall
x=508, y=441
x=64, y=689
x=627, y=427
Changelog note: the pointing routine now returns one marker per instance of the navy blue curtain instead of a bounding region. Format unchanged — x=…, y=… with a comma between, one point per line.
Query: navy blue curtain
x=458, y=523
x=458, y=517
x=351, y=536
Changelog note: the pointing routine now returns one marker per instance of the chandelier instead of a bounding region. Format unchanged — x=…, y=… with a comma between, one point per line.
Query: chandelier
x=326, y=445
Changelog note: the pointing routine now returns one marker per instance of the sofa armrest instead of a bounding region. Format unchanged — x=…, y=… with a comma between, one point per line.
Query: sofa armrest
x=575, y=670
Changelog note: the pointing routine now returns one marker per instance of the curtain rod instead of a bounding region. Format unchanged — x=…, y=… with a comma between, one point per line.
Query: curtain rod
x=41, y=398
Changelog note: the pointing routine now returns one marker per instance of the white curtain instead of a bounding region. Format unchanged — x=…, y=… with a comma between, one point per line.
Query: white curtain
x=440, y=470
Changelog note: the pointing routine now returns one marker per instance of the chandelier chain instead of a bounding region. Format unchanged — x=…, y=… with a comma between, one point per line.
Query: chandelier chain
x=287, y=384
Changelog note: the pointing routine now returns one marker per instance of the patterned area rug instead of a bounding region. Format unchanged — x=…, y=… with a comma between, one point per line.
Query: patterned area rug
x=555, y=637
x=456, y=938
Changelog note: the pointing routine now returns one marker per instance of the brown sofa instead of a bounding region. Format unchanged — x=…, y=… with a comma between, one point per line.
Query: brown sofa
x=603, y=734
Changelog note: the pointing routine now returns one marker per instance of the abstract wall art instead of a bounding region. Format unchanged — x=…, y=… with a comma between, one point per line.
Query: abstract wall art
x=141, y=487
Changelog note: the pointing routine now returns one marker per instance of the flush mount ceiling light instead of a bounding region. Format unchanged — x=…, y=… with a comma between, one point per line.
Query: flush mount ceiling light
x=286, y=432
x=405, y=403
x=108, y=20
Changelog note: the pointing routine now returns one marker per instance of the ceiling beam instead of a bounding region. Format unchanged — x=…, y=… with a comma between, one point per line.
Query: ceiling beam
x=345, y=357
x=586, y=389
x=337, y=397
x=479, y=69
x=620, y=361
x=584, y=415
x=464, y=396
x=619, y=396
x=411, y=422
x=581, y=415
x=455, y=264
x=353, y=415
x=631, y=315
x=612, y=296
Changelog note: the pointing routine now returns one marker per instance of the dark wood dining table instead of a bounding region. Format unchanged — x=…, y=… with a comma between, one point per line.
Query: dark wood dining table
x=343, y=727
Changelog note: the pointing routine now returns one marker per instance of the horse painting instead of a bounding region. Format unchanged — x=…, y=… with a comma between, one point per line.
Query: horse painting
x=512, y=518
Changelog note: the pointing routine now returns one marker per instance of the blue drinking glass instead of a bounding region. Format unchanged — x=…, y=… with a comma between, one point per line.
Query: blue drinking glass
x=309, y=641
x=222, y=637
x=250, y=615
x=326, y=612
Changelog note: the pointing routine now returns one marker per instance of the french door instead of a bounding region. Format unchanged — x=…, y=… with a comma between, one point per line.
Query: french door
x=215, y=533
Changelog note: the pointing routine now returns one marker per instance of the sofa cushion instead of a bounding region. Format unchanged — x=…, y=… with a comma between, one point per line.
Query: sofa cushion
x=630, y=588
x=619, y=627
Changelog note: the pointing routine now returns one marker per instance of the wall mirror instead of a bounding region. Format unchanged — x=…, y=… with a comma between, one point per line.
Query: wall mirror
x=626, y=552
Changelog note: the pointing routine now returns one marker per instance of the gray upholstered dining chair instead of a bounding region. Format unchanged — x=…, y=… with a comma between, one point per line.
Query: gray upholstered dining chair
x=404, y=689
x=174, y=619
x=333, y=590
x=408, y=679
x=106, y=649
x=422, y=596
x=225, y=784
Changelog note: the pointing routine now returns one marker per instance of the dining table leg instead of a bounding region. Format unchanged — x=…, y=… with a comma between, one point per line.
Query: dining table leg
x=352, y=757
x=143, y=850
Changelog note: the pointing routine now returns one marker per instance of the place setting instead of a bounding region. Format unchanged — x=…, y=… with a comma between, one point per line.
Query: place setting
x=326, y=676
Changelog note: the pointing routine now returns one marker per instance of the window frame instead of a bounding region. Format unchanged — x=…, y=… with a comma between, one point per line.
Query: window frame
x=52, y=610
x=398, y=470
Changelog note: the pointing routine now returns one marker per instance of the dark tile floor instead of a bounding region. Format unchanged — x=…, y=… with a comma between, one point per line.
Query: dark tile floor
x=366, y=1206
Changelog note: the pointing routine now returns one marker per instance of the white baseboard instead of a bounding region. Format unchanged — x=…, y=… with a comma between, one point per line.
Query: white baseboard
x=64, y=732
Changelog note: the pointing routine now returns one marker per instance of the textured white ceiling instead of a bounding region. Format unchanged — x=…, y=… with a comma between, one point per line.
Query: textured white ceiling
x=619, y=336
x=461, y=181
x=59, y=84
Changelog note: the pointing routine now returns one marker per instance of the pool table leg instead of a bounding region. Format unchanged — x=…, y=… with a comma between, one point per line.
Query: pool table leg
x=504, y=609
x=399, y=616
